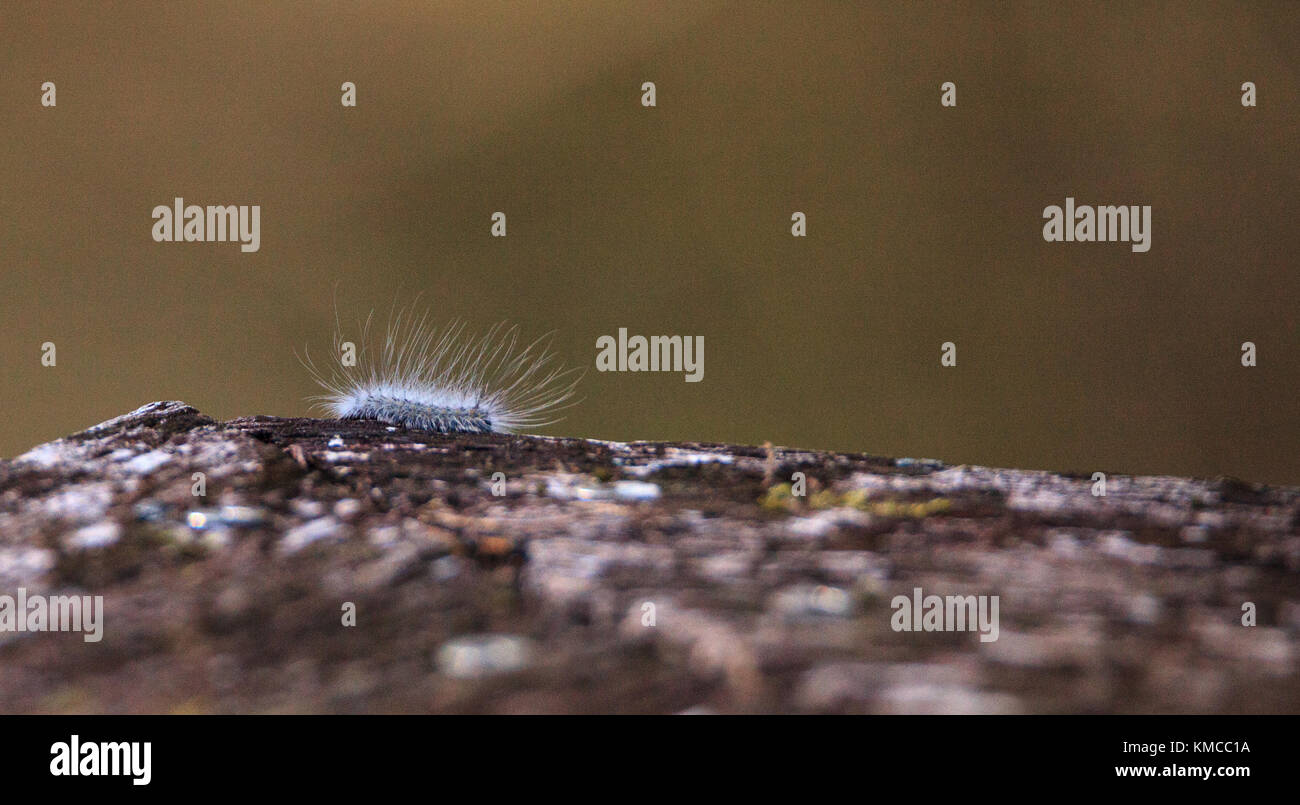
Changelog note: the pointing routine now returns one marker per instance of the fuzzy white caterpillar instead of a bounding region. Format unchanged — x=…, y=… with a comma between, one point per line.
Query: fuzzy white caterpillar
x=446, y=380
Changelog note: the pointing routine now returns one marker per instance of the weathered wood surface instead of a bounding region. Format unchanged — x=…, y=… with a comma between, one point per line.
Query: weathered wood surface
x=1129, y=602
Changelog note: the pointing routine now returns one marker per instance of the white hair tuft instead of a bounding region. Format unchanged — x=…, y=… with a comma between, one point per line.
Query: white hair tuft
x=446, y=380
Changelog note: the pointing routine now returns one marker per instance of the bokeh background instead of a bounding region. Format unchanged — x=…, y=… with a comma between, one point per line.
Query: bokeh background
x=924, y=223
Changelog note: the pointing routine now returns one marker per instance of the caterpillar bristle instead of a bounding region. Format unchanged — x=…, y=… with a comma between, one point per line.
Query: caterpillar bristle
x=445, y=380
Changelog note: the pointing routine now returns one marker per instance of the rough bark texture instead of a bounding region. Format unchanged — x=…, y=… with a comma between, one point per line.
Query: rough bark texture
x=636, y=577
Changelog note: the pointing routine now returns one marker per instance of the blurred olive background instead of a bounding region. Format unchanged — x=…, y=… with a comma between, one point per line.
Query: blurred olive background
x=924, y=223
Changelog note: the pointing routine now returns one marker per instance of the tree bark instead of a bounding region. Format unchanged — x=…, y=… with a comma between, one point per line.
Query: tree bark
x=594, y=576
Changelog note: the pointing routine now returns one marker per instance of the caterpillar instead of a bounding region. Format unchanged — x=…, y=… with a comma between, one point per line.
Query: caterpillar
x=443, y=378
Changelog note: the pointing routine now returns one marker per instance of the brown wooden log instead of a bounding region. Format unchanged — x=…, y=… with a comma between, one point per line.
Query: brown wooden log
x=540, y=599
